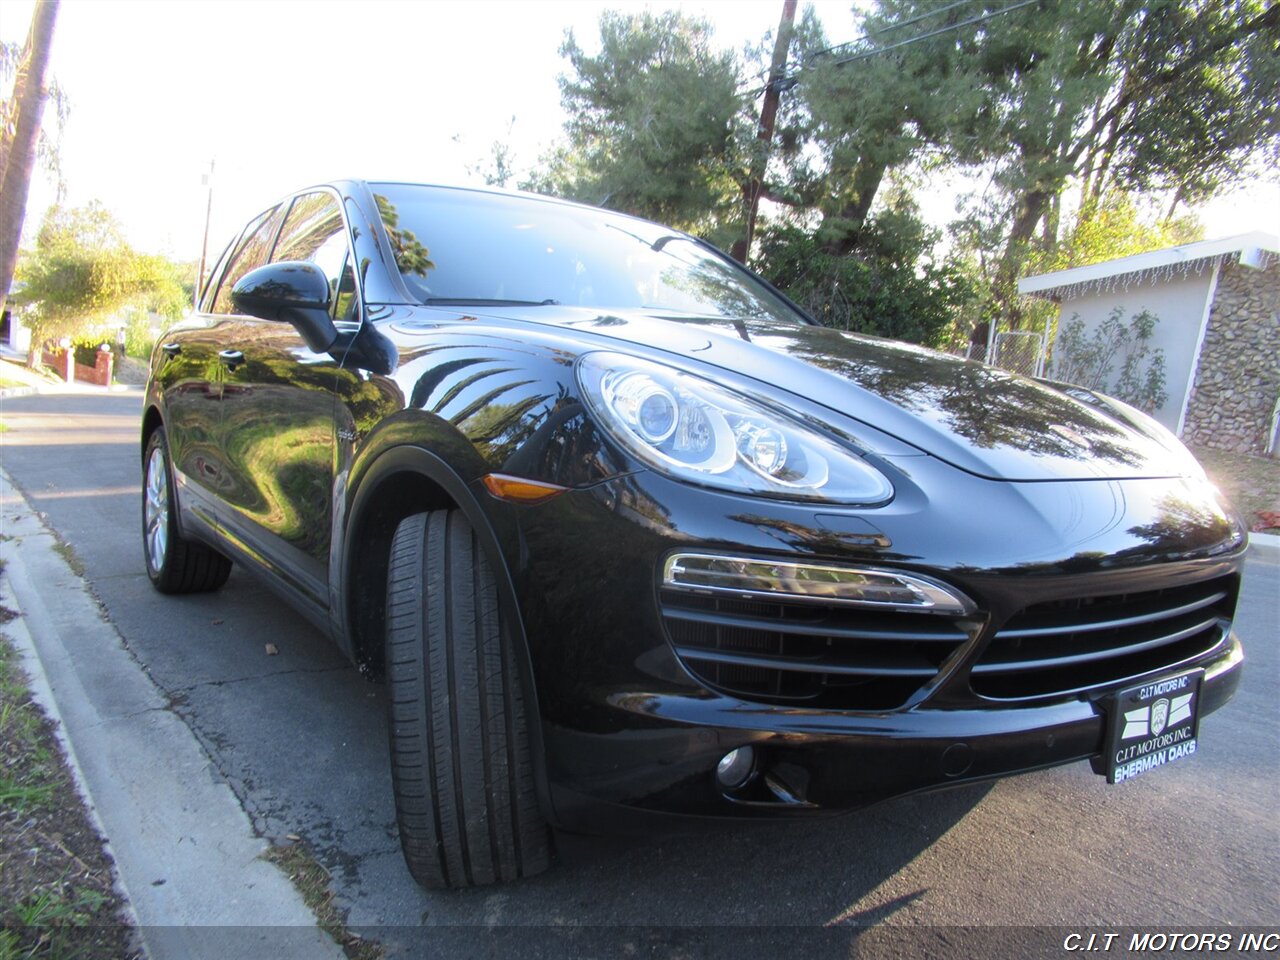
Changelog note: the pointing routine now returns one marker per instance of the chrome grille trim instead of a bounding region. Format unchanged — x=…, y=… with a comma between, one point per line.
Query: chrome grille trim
x=1162, y=614
x=1067, y=647
x=832, y=656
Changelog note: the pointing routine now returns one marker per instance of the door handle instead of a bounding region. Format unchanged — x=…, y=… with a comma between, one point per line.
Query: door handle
x=231, y=358
x=171, y=349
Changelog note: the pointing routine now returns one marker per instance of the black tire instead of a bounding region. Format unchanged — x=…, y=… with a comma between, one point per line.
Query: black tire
x=466, y=802
x=175, y=565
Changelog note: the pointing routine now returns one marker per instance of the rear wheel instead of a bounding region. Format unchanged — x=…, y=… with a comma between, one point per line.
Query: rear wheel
x=466, y=802
x=174, y=564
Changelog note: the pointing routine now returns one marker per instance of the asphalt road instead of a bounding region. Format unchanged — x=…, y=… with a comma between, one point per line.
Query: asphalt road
x=300, y=737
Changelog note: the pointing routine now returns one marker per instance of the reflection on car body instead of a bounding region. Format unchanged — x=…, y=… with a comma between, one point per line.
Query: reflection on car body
x=630, y=536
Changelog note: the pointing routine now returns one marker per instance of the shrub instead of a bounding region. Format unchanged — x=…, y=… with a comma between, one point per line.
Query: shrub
x=1090, y=360
x=879, y=288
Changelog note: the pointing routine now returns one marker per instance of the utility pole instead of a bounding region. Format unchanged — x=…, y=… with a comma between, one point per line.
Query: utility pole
x=764, y=132
x=204, y=244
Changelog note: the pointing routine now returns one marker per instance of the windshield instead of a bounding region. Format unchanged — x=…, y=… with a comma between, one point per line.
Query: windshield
x=457, y=246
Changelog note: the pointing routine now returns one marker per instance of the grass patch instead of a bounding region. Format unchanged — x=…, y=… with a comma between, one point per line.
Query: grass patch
x=13, y=374
x=57, y=895
x=28, y=771
x=1251, y=483
x=312, y=881
x=68, y=553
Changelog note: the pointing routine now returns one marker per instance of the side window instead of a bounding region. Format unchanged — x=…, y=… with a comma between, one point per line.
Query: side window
x=206, y=291
x=251, y=253
x=314, y=231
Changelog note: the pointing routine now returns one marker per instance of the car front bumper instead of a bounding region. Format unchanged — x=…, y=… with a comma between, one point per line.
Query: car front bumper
x=661, y=766
x=630, y=733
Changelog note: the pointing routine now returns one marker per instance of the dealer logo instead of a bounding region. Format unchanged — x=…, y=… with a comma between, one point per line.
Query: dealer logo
x=1153, y=720
x=1159, y=716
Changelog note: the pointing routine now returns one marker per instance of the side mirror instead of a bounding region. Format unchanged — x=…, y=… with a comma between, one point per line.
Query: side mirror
x=291, y=291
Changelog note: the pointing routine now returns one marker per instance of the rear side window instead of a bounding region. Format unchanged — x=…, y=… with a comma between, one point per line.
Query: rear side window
x=314, y=231
x=252, y=252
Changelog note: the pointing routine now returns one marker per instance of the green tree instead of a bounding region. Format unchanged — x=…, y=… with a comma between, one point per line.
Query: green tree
x=1117, y=225
x=656, y=123
x=82, y=272
x=1175, y=97
x=1093, y=98
x=860, y=116
x=1079, y=114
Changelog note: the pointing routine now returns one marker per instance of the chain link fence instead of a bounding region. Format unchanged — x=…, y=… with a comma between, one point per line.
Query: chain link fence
x=1020, y=351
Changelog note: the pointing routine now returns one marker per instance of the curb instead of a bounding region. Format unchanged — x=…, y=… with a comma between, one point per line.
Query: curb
x=1265, y=545
x=29, y=660
x=187, y=859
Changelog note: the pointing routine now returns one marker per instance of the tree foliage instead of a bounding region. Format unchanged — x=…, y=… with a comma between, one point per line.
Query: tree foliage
x=1115, y=226
x=1099, y=95
x=884, y=287
x=1079, y=115
x=82, y=272
x=851, y=124
x=655, y=122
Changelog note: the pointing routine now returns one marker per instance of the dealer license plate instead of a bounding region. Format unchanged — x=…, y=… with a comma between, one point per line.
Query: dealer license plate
x=1152, y=725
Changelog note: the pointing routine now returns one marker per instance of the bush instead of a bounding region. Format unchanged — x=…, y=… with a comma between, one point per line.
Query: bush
x=86, y=348
x=1089, y=361
x=883, y=287
x=139, y=335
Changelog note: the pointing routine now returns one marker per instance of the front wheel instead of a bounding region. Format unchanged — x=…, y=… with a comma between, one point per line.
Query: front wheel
x=174, y=564
x=466, y=802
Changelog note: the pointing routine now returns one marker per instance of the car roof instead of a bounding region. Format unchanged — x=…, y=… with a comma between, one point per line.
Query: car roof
x=493, y=191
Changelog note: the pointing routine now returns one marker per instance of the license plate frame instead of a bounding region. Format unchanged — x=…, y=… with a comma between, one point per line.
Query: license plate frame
x=1152, y=724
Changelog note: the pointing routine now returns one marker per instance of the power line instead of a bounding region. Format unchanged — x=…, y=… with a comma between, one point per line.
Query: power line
x=925, y=36
x=791, y=79
x=893, y=26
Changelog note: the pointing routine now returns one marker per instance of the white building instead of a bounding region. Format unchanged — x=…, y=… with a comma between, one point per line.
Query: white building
x=1218, y=303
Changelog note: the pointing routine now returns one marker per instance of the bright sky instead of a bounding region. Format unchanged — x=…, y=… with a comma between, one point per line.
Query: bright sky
x=284, y=93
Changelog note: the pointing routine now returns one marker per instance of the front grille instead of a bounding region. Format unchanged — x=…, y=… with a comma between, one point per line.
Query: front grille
x=1067, y=646
x=808, y=653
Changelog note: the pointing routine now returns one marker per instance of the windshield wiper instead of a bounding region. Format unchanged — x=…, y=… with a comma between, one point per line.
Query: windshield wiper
x=487, y=302
x=661, y=242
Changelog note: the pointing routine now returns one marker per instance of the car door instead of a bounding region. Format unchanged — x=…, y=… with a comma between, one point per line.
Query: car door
x=190, y=373
x=278, y=415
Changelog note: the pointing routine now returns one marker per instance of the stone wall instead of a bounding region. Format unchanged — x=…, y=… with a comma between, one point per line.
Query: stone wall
x=1237, y=381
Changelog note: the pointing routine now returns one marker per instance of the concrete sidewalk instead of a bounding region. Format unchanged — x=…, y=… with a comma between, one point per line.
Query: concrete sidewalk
x=185, y=852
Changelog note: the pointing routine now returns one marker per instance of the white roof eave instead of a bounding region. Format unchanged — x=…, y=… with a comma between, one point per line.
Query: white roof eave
x=1257, y=249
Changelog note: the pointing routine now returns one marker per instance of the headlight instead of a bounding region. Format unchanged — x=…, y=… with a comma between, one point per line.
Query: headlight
x=695, y=430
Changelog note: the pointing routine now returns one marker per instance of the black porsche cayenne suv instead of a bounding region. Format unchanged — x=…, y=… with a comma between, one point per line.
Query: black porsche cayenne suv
x=629, y=535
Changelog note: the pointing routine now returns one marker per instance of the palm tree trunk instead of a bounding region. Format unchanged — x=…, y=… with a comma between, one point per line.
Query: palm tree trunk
x=30, y=91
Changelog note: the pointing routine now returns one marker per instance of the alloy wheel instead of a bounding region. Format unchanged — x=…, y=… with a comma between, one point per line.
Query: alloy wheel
x=156, y=509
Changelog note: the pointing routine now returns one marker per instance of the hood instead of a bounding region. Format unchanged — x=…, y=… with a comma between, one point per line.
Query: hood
x=981, y=419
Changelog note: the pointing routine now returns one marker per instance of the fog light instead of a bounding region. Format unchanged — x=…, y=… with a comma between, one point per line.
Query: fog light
x=736, y=767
